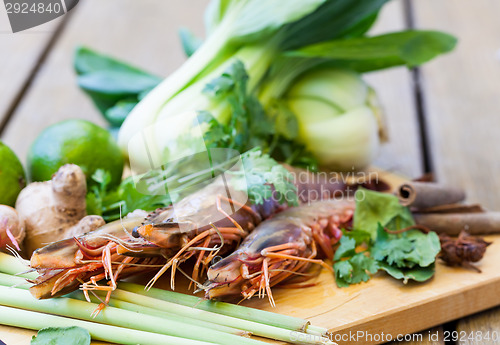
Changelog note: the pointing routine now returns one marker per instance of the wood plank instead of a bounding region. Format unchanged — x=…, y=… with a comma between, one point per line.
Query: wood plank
x=483, y=329
x=461, y=107
x=19, y=54
x=402, y=153
x=461, y=96
x=384, y=304
x=141, y=32
x=433, y=336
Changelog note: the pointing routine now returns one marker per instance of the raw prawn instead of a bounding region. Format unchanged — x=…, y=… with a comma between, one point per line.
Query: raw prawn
x=280, y=247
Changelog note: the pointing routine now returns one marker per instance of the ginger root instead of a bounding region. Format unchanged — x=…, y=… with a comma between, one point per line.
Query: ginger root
x=11, y=229
x=55, y=209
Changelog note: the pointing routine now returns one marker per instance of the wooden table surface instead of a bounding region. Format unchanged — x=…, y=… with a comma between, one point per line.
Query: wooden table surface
x=443, y=118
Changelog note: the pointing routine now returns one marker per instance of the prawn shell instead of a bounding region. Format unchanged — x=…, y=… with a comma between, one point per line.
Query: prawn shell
x=61, y=254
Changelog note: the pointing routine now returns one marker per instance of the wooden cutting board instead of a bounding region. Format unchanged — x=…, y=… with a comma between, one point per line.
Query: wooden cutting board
x=380, y=309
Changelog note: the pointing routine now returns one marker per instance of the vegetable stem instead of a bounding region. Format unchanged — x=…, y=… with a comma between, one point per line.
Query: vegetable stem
x=166, y=315
x=116, y=317
x=35, y=320
x=250, y=314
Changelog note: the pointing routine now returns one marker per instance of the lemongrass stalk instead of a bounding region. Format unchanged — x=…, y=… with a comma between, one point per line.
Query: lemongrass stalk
x=35, y=321
x=12, y=265
x=68, y=307
x=259, y=329
x=13, y=281
x=18, y=282
x=166, y=315
x=251, y=314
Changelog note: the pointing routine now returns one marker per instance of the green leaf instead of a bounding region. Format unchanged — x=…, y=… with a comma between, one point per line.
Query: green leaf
x=359, y=236
x=408, y=249
x=87, y=61
x=110, y=83
x=419, y=274
x=257, y=20
x=354, y=270
x=61, y=336
x=427, y=247
x=363, y=54
x=116, y=83
x=346, y=248
x=263, y=175
x=119, y=112
x=334, y=19
x=391, y=248
x=374, y=207
x=189, y=41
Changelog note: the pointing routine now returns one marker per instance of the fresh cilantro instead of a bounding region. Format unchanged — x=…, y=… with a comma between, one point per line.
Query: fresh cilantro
x=353, y=267
x=354, y=270
x=408, y=249
x=250, y=126
x=262, y=177
x=110, y=204
x=409, y=255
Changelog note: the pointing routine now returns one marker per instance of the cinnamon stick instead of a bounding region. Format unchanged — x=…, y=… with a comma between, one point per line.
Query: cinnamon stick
x=426, y=195
x=453, y=223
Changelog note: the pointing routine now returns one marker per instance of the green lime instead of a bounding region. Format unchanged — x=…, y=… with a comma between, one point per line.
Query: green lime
x=75, y=141
x=12, y=176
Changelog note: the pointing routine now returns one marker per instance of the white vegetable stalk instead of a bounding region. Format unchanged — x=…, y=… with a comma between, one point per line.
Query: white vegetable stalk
x=172, y=136
x=339, y=122
x=243, y=23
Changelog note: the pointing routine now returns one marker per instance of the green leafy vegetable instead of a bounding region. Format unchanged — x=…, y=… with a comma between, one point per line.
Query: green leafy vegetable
x=419, y=274
x=261, y=34
x=409, y=255
x=61, y=336
x=278, y=46
x=408, y=249
x=351, y=267
x=373, y=208
x=114, y=86
x=364, y=54
x=263, y=176
x=111, y=204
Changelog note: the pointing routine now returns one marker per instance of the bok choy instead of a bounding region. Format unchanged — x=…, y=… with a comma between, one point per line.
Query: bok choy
x=302, y=63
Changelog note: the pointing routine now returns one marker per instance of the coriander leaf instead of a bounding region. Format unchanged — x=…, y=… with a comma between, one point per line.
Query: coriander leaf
x=346, y=248
x=359, y=236
x=110, y=204
x=343, y=273
x=419, y=274
x=354, y=270
x=408, y=249
x=374, y=207
x=393, y=249
x=62, y=336
x=427, y=247
x=263, y=176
